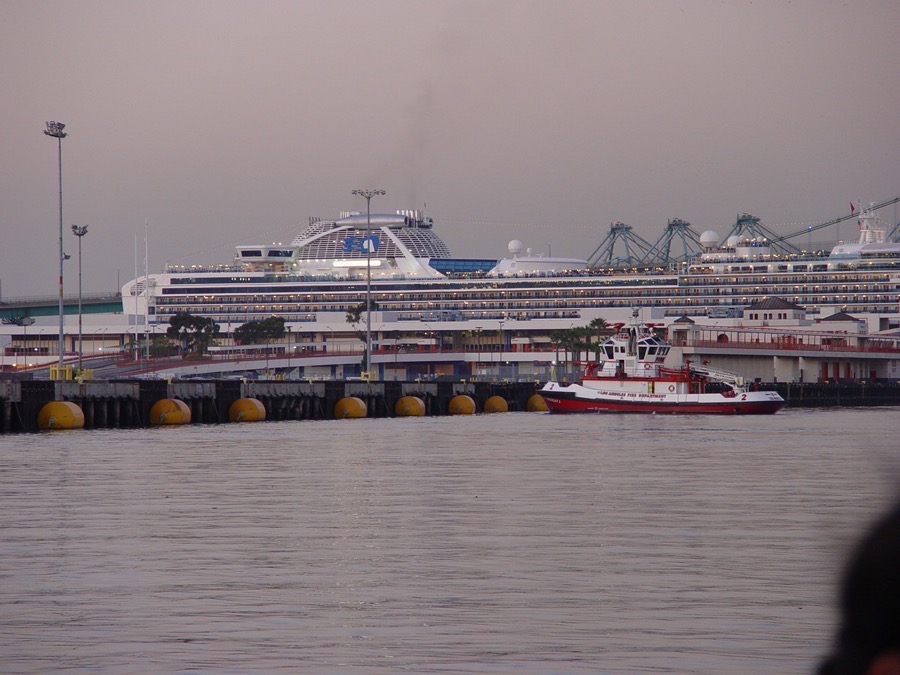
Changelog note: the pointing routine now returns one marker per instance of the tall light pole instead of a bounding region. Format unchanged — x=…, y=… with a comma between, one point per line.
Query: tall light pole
x=24, y=321
x=500, y=356
x=55, y=130
x=478, y=348
x=79, y=231
x=368, y=194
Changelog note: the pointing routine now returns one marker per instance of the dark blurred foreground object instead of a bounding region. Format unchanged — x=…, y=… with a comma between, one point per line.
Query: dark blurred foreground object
x=868, y=641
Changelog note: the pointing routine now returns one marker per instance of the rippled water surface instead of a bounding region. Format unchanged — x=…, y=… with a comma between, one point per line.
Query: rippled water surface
x=517, y=542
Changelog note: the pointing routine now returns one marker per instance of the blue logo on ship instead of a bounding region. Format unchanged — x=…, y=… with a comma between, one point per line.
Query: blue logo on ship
x=358, y=244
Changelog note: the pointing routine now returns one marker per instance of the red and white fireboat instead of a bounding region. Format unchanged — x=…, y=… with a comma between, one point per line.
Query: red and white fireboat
x=631, y=377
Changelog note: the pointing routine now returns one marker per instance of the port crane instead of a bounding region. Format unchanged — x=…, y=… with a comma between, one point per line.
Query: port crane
x=638, y=252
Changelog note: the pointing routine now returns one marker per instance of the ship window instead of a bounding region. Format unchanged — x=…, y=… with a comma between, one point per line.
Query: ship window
x=642, y=352
x=251, y=254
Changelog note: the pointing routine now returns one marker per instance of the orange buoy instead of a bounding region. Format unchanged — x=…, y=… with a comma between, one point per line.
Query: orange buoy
x=461, y=405
x=58, y=415
x=247, y=410
x=536, y=403
x=496, y=404
x=170, y=411
x=409, y=406
x=350, y=407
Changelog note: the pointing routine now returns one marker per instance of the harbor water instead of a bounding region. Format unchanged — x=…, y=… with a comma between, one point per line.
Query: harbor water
x=519, y=542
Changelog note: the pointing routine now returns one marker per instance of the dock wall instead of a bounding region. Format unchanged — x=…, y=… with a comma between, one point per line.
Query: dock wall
x=834, y=395
x=127, y=404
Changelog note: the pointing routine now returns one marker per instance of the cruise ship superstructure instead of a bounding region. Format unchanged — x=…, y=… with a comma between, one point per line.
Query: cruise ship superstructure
x=416, y=284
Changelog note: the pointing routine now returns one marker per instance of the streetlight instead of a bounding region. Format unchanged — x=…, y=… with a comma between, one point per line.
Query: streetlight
x=289, y=348
x=477, y=348
x=500, y=355
x=55, y=130
x=79, y=231
x=24, y=321
x=433, y=335
x=368, y=194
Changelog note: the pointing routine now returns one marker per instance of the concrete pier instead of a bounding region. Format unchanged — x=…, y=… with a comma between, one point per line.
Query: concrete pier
x=127, y=404
x=838, y=394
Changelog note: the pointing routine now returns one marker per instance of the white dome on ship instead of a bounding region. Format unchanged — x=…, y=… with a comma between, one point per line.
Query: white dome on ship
x=733, y=240
x=345, y=237
x=515, y=247
x=709, y=239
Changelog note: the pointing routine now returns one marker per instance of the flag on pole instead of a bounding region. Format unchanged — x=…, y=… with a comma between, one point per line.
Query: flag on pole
x=852, y=208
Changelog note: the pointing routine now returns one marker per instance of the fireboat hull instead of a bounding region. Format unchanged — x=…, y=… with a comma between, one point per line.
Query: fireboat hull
x=751, y=403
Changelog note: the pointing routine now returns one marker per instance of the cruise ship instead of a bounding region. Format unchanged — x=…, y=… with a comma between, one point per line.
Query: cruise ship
x=415, y=285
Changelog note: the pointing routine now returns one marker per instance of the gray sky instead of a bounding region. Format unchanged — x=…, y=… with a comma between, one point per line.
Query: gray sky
x=231, y=122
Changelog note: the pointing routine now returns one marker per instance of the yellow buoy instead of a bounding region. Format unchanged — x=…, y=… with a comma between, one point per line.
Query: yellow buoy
x=536, y=403
x=409, y=406
x=496, y=404
x=350, y=407
x=247, y=410
x=170, y=411
x=461, y=405
x=60, y=415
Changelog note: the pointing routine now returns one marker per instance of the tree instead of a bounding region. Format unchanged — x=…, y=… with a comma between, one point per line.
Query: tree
x=194, y=333
x=573, y=341
x=161, y=346
x=579, y=339
x=564, y=338
x=260, y=332
x=356, y=315
x=600, y=329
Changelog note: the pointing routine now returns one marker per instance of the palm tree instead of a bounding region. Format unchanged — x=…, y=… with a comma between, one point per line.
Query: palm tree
x=580, y=337
x=558, y=339
x=600, y=329
x=573, y=340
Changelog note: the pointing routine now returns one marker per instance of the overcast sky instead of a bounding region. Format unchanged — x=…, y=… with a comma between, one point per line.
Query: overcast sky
x=232, y=122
